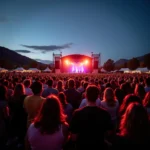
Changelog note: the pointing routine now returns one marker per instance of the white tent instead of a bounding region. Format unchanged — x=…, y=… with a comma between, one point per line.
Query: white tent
x=142, y=70
x=20, y=69
x=125, y=70
x=103, y=70
x=47, y=70
x=33, y=70
x=3, y=70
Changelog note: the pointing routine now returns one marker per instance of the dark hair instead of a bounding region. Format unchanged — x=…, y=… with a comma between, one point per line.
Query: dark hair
x=147, y=81
x=6, y=83
x=92, y=93
x=71, y=83
x=36, y=87
x=85, y=85
x=3, y=92
x=27, y=82
x=19, y=90
x=50, y=116
x=62, y=98
x=50, y=82
x=139, y=91
x=146, y=101
x=119, y=95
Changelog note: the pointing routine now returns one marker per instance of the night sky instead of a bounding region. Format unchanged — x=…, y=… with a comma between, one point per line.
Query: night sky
x=37, y=28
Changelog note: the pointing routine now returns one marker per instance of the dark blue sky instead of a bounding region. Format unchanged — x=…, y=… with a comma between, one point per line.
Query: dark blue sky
x=115, y=28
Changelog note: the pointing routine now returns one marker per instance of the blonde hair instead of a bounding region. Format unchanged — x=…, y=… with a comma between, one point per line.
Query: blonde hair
x=111, y=101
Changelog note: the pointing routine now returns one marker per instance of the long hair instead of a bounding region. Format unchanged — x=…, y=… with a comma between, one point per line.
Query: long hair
x=19, y=90
x=126, y=101
x=109, y=97
x=50, y=116
x=146, y=101
x=62, y=99
x=3, y=92
x=134, y=123
x=140, y=91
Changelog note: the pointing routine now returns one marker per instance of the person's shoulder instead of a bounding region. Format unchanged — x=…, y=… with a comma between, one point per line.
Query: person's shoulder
x=78, y=111
x=103, y=102
x=27, y=98
x=31, y=126
x=42, y=98
x=103, y=110
x=65, y=125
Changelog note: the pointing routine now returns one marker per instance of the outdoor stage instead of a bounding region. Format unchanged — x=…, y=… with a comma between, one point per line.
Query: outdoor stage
x=76, y=63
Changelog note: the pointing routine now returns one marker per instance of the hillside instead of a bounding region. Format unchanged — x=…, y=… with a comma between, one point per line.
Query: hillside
x=44, y=61
x=123, y=61
x=10, y=59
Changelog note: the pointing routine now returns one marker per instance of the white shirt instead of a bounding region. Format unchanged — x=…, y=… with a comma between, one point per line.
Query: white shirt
x=28, y=91
x=111, y=110
x=40, y=141
x=84, y=103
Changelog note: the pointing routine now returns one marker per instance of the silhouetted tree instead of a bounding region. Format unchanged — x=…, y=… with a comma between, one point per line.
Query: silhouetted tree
x=33, y=64
x=147, y=60
x=109, y=65
x=133, y=64
x=142, y=64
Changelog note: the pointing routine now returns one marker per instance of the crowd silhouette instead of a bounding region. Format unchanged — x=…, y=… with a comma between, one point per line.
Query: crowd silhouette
x=74, y=111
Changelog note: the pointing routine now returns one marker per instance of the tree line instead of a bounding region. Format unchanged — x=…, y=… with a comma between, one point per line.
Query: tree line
x=132, y=64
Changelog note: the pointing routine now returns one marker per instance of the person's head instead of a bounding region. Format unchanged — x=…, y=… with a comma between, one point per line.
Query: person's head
x=71, y=83
x=108, y=94
x=3, y=92
x=147, y=81
x=140, y=91
x=50, y=82
x=50, y=116
x=85, y=85
x=146, y=101
x=92, y=93
x=128, y=100
x=19, y=90
x=62, y=98
x=37, y=88
x=119, y=95
x=126, y=87
x=27, y=83
x=6, y=83
x=135, y=123
x=109, y=97
x=59, y=84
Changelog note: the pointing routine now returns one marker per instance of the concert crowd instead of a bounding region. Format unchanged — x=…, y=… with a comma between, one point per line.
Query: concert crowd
x=41, y=111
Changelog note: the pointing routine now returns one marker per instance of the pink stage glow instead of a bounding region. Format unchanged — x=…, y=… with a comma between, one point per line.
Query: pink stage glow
x=77, y=68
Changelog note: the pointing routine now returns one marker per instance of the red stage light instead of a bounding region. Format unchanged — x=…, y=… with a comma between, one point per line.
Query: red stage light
x=86, y=62
x=67, y=62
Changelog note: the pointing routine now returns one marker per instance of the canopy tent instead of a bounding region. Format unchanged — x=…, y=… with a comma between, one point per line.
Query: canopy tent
x=33, y=70
x=103, y=70
x=142, y=70
x=125, y=70
x=19, y=69
x=47, y=70
x=138, y=70
x=3, y=70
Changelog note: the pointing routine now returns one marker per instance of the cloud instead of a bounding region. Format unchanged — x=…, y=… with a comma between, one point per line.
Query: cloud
x=49, y=48
x=23, y=51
